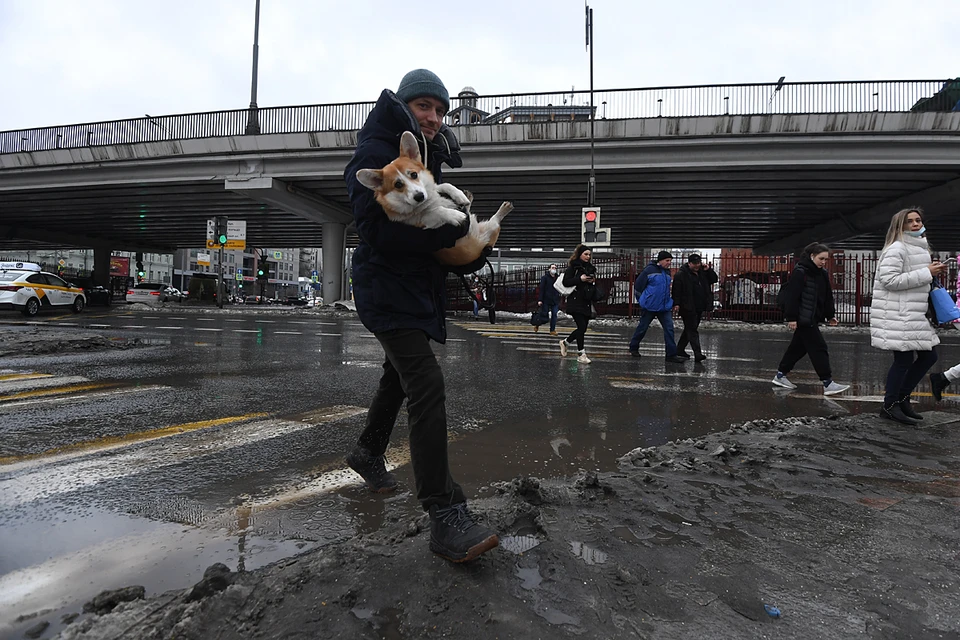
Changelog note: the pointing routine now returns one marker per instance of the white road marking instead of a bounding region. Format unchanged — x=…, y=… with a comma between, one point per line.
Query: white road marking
x=100, y=326
x=327, y=334
x=8, y=386
x=52, y=479
x=169, y=328
x=246, y=330
x=288, y=333
x=81, y=397
x=207, y=329
x=133, y=326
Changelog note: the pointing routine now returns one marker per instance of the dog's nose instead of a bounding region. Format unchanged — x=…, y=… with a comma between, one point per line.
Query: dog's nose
x=418, y=196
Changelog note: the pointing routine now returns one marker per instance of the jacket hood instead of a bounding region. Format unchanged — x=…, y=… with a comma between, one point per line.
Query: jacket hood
x=391, y=117
x=807, y=264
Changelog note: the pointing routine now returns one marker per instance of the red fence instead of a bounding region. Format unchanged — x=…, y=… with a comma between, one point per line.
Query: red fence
x=747, y=290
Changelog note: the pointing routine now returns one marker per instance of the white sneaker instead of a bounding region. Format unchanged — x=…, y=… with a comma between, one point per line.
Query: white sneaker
x=783, y=382
x=563, y=348
x=833, y=389
x=583, y=359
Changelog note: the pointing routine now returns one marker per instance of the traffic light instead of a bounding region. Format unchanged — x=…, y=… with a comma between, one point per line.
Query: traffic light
x=590, y=231
x=140, y=272
x=263, y=271
x=220, y=234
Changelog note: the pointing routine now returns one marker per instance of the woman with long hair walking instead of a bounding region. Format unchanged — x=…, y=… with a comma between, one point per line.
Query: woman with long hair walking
x=808, y=301
x=582, y=275
x=898, y=320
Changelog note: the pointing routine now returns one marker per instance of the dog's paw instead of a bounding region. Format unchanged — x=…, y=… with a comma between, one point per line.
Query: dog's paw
x=506, y=207
x=450, y=192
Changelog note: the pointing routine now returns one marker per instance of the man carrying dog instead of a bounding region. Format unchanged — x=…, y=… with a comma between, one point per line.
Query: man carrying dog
x=652, y=290
x=401, y=298
x=693, y=293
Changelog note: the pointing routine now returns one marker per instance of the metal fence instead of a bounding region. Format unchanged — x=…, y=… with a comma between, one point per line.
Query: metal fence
x=747, y=288
x=667, y=102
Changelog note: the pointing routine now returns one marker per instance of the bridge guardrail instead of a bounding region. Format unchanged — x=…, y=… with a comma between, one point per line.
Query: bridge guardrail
x=668, y=102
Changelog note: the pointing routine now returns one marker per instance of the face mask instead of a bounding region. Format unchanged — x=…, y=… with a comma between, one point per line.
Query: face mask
x=916, y=234
x=553, y=272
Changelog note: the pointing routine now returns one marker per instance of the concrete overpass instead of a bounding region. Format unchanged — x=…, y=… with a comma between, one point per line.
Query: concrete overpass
x=771, y=181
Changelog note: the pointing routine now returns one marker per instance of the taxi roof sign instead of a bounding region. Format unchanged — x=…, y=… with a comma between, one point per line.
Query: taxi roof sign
x=19, y=266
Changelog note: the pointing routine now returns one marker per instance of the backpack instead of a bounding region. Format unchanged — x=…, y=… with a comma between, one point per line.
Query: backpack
x=782, y=293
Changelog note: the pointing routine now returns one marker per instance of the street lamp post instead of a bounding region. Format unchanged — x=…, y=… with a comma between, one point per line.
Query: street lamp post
x=592, y=184
x=253, y=116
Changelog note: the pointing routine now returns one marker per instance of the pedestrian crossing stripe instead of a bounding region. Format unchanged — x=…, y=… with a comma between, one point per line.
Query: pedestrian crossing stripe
x=36, y=393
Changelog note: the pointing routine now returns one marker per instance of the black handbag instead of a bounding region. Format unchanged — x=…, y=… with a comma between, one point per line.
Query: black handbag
x=539, y=316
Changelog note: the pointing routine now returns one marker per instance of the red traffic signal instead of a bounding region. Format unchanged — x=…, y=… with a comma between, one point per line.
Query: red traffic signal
x=590, y=216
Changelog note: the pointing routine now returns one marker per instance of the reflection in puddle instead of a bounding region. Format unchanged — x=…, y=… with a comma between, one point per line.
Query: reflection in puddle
x=385, y=621
x=588, y=554
x=662, y=535
x=529, y=578
x=519, y=544
x=625, y=534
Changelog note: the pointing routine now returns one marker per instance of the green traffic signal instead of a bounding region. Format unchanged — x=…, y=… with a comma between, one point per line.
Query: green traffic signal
x=222, y=239
x=141, y=273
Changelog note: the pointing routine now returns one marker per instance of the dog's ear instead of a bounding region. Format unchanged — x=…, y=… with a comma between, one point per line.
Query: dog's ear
x=409, y=147
x=370, y=178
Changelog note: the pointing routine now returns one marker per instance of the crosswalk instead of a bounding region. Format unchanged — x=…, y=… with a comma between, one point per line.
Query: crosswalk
x=23, y=388
x=599, y=344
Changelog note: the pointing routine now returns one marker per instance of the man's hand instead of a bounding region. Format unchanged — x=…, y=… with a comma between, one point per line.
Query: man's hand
x=833, y=322
x=539, y=304
x=792, y=325
x=676, y=307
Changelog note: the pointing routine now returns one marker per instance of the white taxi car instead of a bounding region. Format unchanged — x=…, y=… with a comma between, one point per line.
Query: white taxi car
x=28, y=289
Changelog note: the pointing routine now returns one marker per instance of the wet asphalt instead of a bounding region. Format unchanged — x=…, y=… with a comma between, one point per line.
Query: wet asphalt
x=220, y=438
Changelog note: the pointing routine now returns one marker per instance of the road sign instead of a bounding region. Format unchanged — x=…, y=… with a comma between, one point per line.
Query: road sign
x=236, y=234
x=61, y=262
x=239, y=276
x=278, y=255
x=203, y=259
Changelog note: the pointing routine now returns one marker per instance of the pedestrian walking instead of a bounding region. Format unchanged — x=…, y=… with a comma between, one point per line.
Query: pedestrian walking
x=652, y=290
x=940, y=381
x=549, y=298
x=476, y=290
x=693, y=294
x=396, y=283
x=898, y=314
x=582, y=275
x=808, y=301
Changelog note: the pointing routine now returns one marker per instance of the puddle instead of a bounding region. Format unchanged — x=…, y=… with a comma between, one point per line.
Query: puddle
x=386, y=622
x=529, y=578
x=588, y=554
x=556, y=617
x=519, y=544
x=663, y=536
x=102, y=550
x=625, y=534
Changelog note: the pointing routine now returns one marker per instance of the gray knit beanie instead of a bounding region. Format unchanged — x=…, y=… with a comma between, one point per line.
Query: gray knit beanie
x=421, y=82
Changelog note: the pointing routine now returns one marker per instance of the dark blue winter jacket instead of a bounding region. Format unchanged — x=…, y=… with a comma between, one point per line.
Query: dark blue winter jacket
x=397, y=283
x=652, y=288
x=549, y=295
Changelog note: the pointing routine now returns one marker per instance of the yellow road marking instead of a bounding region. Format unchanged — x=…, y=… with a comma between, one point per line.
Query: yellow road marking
x=55, y=391
x=111, y=442
x=24, y=376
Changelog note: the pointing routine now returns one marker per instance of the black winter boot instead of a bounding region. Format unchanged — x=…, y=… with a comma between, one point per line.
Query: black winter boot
x=938, y=382
x=372, y=469
x=895, y=413
x=908, y=410
x=455, y=535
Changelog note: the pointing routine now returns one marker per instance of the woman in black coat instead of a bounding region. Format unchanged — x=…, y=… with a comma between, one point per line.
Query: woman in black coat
x=580, y=274
x=808, y=301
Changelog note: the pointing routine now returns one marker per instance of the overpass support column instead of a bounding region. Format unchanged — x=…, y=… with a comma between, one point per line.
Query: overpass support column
x=101, y=266
x=333, y=237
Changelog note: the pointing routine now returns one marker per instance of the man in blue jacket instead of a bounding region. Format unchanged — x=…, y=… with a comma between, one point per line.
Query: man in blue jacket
x=400, y=295
x=652, y=290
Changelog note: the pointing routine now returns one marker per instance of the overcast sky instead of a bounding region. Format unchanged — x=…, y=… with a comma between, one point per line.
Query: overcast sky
x=71, y=61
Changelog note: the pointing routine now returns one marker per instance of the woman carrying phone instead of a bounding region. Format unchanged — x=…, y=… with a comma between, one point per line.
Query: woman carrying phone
x=898, y=314
x=582, y=275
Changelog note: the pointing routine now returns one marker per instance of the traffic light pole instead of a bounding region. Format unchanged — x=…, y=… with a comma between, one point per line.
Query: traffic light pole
x=592, y=184
x=220, y=280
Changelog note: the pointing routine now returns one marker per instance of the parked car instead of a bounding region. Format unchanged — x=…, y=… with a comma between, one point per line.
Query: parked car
x=97, y=295
x=25, y=288
x=172, y=294
x=146, y=292
x=295, y=301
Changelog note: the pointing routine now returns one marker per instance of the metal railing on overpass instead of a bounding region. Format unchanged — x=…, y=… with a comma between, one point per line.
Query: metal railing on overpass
x=653, y=102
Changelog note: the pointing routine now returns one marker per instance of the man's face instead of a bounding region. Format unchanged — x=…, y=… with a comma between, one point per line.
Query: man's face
x=694, y=266
x=666, y=262
x=429, y=113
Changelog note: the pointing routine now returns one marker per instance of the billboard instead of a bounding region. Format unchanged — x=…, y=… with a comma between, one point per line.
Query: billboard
x=119, y=266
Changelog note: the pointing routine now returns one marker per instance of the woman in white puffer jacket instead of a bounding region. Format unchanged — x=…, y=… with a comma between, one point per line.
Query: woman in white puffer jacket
x=898, y=315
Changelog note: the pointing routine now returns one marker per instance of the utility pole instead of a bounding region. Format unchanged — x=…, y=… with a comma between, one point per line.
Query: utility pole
x=253, y=116
x=592, y=184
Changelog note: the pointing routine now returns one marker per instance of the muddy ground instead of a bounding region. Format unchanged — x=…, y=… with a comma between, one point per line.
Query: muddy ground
x=848, y=526
x=32, y=341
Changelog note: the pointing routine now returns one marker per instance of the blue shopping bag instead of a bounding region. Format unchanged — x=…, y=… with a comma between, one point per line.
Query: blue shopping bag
x=943, y=305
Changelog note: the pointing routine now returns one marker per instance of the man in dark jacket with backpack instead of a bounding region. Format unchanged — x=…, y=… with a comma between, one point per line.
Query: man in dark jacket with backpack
x=693, y=293
x=401, y=298
x=652, y=290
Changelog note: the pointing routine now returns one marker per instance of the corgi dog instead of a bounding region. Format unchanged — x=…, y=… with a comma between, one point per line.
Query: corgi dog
x=408, y=194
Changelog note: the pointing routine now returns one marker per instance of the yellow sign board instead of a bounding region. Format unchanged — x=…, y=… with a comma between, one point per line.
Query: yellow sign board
x=235, y=244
